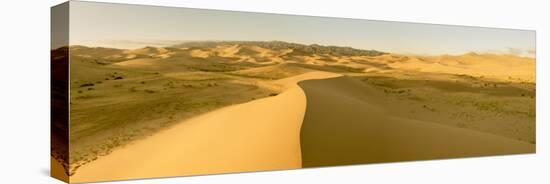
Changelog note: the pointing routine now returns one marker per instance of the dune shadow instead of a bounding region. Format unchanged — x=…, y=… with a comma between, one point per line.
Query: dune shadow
x=346, y=122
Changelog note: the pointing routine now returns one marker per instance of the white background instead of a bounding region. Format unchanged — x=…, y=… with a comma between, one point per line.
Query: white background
x=24, y=90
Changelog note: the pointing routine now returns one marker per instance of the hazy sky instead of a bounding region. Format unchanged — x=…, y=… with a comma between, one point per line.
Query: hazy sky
x=132, y=26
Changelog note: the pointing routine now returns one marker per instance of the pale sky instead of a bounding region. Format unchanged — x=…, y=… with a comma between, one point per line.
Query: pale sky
x=133, y=26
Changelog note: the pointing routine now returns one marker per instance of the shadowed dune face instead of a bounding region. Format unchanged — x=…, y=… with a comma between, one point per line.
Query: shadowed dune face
x=347, y=123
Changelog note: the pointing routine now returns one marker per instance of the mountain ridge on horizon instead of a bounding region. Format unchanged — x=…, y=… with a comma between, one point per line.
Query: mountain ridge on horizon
x=309, y=48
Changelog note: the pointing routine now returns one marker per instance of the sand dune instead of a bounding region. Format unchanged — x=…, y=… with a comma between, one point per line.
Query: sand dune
x=346, y=123
x=496, y=67
x=294, y=80
x=258, y=135
x=142, y=62
x=200, y=53
x=276, y=71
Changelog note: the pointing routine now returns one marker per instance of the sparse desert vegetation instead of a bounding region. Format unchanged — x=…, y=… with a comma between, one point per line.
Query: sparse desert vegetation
x=495, y=107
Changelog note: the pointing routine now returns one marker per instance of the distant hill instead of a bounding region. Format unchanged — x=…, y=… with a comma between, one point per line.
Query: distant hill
x=297, y=48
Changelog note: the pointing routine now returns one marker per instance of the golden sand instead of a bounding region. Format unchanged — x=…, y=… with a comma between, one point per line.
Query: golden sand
x=254, y=136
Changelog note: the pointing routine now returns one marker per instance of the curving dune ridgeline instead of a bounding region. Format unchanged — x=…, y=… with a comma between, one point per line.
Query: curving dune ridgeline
x=260, y=135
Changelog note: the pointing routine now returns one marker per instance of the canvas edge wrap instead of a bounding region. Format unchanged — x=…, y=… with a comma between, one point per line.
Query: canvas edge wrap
x=59, y=92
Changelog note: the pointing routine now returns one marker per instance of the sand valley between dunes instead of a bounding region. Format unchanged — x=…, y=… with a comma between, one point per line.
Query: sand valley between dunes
x=259, y=135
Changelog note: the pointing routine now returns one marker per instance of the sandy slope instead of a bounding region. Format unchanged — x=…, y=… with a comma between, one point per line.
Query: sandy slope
x=346, y=122
x=258, y=135
x=498, y=67
x=137, y=62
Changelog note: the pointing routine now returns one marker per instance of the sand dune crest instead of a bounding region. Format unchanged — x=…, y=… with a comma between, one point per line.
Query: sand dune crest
x=254, y=136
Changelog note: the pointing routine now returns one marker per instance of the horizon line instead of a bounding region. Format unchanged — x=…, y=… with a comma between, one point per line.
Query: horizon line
x=139, y=44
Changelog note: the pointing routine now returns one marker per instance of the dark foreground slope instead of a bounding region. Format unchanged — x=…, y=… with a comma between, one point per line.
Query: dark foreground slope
x=346, y=122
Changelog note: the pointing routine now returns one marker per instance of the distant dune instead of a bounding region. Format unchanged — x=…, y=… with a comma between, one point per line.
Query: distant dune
x=274, y=71
x=254, y=136
x=142, y=62
x=491, y=66
x=347, y=123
